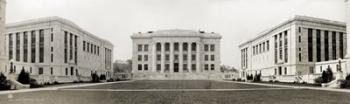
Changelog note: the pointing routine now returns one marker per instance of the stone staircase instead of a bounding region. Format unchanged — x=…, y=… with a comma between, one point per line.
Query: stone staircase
x=15, y=85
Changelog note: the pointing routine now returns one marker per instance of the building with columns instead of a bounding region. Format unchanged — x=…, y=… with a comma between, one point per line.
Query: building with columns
x=3, y=57
x=55, y=49
x=298, y=49
x=176, y=54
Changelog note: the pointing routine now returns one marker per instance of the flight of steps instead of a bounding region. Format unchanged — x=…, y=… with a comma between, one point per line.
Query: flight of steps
x=15, y=85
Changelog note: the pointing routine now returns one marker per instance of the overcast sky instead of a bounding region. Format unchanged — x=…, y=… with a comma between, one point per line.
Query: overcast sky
x=115, y=20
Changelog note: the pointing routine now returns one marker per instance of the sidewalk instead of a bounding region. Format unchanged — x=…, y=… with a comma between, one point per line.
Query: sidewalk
x=57, y=87
x=300, y=87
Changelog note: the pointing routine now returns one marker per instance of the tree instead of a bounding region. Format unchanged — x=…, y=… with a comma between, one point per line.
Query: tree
x=23, y=77
x=95, y=77
x=329, y=74
x=4, y=83
x=324, y=77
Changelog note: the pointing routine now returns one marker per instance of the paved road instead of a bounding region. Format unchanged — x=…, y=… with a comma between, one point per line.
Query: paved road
x=177, y=92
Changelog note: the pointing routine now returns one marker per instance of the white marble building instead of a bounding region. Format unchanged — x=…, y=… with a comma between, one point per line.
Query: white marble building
x=3, y=57
x=55, y=49
x=176, y=54
x=300, y=47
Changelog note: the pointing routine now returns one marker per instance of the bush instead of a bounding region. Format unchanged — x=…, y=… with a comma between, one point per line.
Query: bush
x=34, y=84
x=345, y=83
x=4, y=83
x=327, y=76
x=319, y=80
x=250, y=77
x=23, y=77
x=233, y=79
x=257, y=78
x=239, y=79
x=110, y=80
x=102, y=77
x=95, y=77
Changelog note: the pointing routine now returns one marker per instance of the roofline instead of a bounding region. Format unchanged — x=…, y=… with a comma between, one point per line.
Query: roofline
x=52, y=19
x=295, y=18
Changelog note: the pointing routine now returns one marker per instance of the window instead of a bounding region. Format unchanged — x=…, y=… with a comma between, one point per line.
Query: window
x=185, y=47
x=299, y=57
x=206, y=47
x=212, y=47
x=51, y=58
x=17, y=47
x=341, y=45
x=206, y=57
x=267, y=45
x=311, y=70
x=98, y=50
x=84, y=45
x=310, y=45
x=139, y=58
x=159, y=57
x=212, y=57
x=206, y=67
x=10, y=47
x=51, y=37
x=146, y=57
x=33, y=45
x=159, y=47
x=167, y=46
x=158, y=67
x=145, y=67
x=194, y=46
x=318, y=45
x=212, y=67
x=176, y=46
x=66, y=71
x=51, y=71
x=167, y=57
x=193, y=67
x=185, y=67
x=299, y=39
x=146, y=48
x=193, y=57
x=285, y=71
x=185, y=57
x=25, y=47
x=41, y=71
x=139, y=47
x=326, y=46
x=334, y=46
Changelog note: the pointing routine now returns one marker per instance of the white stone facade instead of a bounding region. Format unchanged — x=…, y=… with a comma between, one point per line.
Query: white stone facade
x=176, y=54
x=294, y=48
x=3, y=57
x=55, y=49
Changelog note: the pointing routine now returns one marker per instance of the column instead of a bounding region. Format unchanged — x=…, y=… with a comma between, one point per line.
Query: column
x=14, y=44
x=171, y=57
x=314, y=46
x=154, y=57
x=162, y=57
x=29, y=58
x=198, y=57
x=21, y=49
x=348, y=28
x=189, y=55
x=180, y=56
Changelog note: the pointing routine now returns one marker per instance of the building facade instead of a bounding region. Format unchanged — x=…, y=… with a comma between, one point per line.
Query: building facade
x=176, y=54
x=295, y=50
x=3, y=57
x=55, y=49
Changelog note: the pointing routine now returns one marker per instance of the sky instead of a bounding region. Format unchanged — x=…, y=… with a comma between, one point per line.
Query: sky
x=116, y=20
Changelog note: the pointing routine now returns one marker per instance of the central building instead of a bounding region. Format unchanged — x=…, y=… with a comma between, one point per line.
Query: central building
x=176, y=54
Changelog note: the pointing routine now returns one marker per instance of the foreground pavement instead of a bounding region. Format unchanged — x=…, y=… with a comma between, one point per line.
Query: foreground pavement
x=177, y=92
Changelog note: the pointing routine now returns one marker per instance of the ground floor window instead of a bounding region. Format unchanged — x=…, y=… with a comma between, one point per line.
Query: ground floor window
x=158, y=67
x=212, y=66
x=206, y=67
x=41, y=71
x=145, y=67
x=139, y=67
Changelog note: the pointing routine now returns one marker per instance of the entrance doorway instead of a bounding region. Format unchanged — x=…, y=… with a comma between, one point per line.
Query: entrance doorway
x=176, y=67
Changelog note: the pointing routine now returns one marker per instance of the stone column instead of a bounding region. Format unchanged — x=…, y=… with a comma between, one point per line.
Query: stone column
x=37, y=46
x=180, y=56
x=198, y=57
x=189, y=55
x=162, y=57
x=154, y=57
x=14, y=44
x=171, y=57
x=21, y=49
x=348, y=27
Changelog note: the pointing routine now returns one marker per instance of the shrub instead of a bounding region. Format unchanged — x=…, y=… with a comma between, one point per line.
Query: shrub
x=327, y=76
x=4, y=83
x=34, y=84
x=110, y=80
x=250, y=77
x=233, y=79
x=23, y=77
x=95, y=77
x=345, y=83
x=239, y=79
x=102, y=77
x=319, y=80
x=257, y=78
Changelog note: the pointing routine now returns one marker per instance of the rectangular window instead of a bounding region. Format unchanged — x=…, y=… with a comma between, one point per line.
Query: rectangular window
x=310, y=44
x=318, y=45
x=158, y=67
x=139, y=58
x=146, y=57
x=66, y=71
x=17, y=47
x=167, y=57
x=51, y=58
x=212, y=47
x=193, y=57
x=87, y=47
x=159, y=57
x=139, y=47
x=206, y=57
x=51, y=71
x=10, y=47
x=33, y=45
x=212, y=57
x=167, y=46
x=176, y=46
x=285, y=71
x=41, y=71
x=326, y=46
x=146, y=48
x=212, y=67
x=267, y=45
x=84, y=45
x=145, y=67
x=71, y=70
x=66, y=47
x=176, y=57
x=185, y=47
x=98, y=50
x=334, y=46
x=341, y=45
x=193, y=67
x=299, y=57
x=185, y=57
x=206, y=67
x=206, y=47
x=25, y=47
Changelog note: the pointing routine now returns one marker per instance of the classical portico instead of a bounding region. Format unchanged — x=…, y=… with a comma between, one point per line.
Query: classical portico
x=171, y=54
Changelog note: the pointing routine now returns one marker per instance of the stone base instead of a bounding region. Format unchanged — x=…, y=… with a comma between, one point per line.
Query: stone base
x=177, y=76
